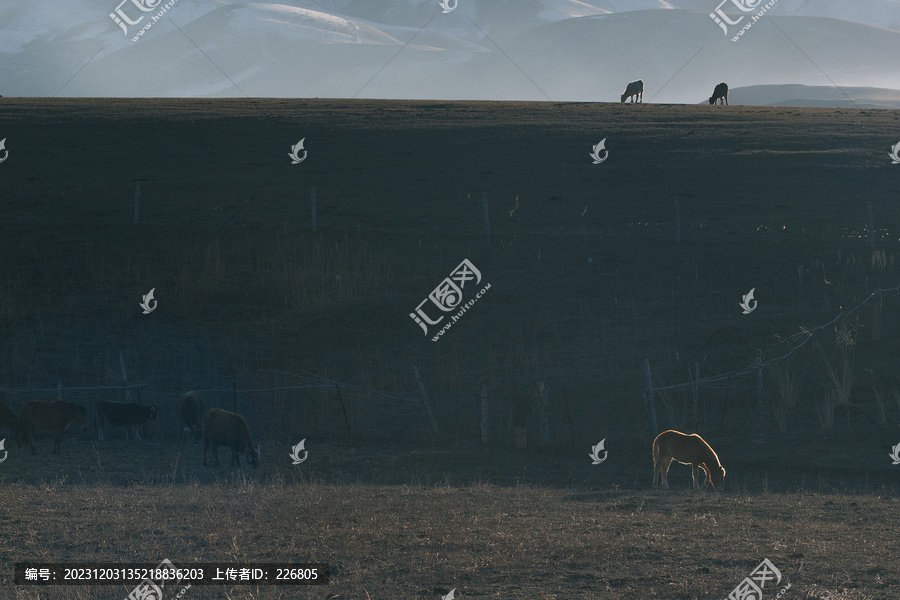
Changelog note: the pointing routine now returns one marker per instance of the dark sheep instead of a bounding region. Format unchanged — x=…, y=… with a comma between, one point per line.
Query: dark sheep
x=124, y=414
x=223, y=428
x=38, y=414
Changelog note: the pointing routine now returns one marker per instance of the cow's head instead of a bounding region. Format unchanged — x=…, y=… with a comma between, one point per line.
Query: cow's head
x=80, y=415
x=253, y=455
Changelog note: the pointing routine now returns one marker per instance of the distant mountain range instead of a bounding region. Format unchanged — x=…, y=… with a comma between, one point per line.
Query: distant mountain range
x=804, y=95
x=802, y=52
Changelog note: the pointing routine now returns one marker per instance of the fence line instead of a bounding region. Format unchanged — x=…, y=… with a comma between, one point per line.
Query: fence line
x=69, y=389
x=316, y=382
x=758, y=365
x=752, y=367
x=322, y=383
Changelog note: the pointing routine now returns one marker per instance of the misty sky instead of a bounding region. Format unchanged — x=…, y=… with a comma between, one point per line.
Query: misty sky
x=464, y=49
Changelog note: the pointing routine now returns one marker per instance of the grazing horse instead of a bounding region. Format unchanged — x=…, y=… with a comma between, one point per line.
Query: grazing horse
x=9, y=419
x=720, y=93
x=633, y=90
x=37, y=415
x=688, y=450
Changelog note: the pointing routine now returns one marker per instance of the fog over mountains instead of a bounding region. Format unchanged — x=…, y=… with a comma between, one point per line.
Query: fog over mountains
x=800, y=52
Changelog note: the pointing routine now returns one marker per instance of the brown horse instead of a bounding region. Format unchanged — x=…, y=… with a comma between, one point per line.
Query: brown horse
x=688, y=450
x=37, y=415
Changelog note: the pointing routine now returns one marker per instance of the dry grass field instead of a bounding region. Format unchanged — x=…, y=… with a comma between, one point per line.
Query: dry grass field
x=587, y=281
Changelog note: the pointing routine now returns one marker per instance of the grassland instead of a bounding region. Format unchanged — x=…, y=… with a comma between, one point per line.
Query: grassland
x=587, y=281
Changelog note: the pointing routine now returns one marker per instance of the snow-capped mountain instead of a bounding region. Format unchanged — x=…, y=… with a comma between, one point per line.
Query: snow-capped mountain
x=461, y=49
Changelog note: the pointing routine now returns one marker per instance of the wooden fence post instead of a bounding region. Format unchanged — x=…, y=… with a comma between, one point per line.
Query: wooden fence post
x=543, y=399
x=568, y=414
x=677, y=223
x=59, y=390
x=312, y=198
x=759, y=385
x=876, y=316
x=124, y=377
x=456, y=415
x=341, y=398
x=487, y=218
x=652, y=427
x=870, y=224
x=137, y=201
x=696, y=391
x=484, y=411
x=725, y=403
x=427, y=404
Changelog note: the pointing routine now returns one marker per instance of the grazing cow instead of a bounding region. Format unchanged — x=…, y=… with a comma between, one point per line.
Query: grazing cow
x=633, y=90
x=720, y=93
x=9, y=419
x=223, y=428
x=37, y=415
x=124, y=414
x=190, y=409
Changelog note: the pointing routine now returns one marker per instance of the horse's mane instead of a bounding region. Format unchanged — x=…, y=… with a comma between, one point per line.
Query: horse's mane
x=711, y=458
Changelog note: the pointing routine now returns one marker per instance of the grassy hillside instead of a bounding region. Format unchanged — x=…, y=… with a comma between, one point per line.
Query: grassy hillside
x=587, y=281
x=586, y=278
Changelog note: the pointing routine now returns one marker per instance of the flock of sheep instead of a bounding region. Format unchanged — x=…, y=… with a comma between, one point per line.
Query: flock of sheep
x=215, y=426
x=635, y=91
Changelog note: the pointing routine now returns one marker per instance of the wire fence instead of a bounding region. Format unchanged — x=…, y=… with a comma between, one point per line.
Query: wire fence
x=316, y=405
x=280, y=405
x=757, y=368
